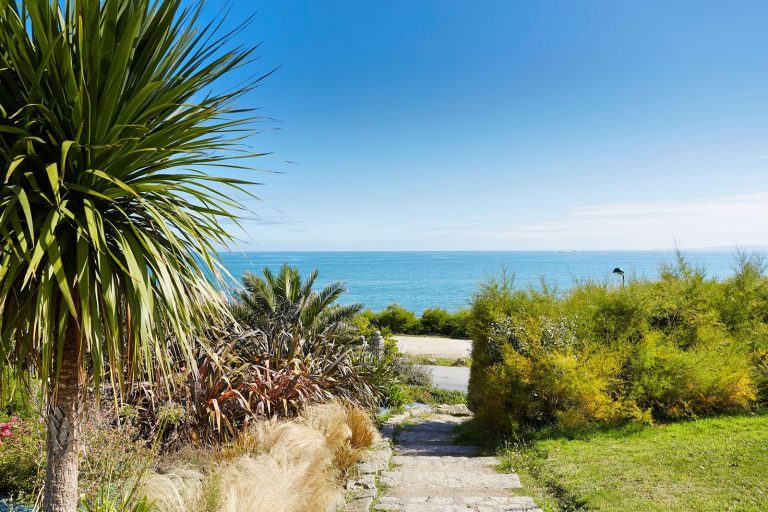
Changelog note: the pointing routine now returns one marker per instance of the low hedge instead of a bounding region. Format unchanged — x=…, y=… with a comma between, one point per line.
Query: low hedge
x=435, y=321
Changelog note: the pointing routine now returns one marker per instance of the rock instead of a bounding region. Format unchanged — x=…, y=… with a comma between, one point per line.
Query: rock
x=365, y=482
x=366, y=493
x=462, y=361
x=454, y=410
x=366, y=468
x=359, y=505
x=376, y=460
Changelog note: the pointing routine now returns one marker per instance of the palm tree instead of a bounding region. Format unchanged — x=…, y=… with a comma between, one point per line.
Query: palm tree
x=107, y=218
x=291, y=315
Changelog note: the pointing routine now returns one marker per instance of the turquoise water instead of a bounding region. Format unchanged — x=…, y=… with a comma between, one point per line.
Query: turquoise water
x=418, y=280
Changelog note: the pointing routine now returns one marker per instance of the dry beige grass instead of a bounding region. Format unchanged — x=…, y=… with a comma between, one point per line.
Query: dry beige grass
x=364, y=431
x=279, y=466
x=176, y=489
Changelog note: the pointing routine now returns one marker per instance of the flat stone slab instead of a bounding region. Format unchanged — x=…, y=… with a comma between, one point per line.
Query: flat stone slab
x=458, y=504
x=415, y=437
x=456, y=461
x=454, y=410
x=437, y=420
x=448, y=481
x=436, y=449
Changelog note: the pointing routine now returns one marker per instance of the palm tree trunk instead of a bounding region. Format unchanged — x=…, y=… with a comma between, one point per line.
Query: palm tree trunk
x=64, y=414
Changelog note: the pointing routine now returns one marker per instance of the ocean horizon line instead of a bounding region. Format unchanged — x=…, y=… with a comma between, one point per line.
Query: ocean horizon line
x=734, y=249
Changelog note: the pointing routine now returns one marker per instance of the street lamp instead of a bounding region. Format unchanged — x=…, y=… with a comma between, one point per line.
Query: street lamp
x=620, y=271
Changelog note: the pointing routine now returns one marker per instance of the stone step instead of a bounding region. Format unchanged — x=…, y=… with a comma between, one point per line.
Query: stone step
x=448, y=482
x=436, y=449
x=477, y=503
x=444, y=461
x=431, y=474
x=430, y=426
x=405, y=438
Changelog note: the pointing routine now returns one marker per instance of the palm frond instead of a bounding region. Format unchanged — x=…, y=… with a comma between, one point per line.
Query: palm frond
x=112, y=112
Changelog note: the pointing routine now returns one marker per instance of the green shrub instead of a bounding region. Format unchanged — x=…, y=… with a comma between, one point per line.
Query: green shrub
x=457, y=324
x=409, y=373
x=394, y=396
x=22, y=457
x=397, y=319
x=682, y=346
x=710, y=378
x=434, y=321
x=110, y=453
x=435, y=396
x=115, y=459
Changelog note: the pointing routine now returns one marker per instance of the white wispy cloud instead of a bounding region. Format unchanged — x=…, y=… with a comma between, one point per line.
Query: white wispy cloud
x=729, y=219
x=739, y=219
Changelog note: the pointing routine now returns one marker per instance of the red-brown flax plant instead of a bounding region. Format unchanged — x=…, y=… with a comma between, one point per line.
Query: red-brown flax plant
x=110, y=113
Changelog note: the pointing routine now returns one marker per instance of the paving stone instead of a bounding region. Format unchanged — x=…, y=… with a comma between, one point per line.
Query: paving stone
x=454, y=410
x=367, y=468
x=436, y=449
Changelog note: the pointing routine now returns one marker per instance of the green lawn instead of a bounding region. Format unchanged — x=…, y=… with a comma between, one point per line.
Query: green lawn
x=717, y=464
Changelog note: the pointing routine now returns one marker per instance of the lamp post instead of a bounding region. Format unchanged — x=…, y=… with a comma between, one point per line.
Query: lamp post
x=620, y=271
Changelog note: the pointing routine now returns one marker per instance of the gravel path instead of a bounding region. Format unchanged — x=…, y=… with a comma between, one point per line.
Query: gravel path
x=432, y=474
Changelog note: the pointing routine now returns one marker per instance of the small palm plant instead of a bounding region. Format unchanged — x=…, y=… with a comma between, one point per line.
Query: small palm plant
x=108, y=119
x=294, y=317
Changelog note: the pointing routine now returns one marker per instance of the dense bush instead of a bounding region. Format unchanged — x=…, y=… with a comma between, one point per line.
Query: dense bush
x=112, y=458
x=237, y=381
x=435, y=396
x=397, y=319
x=410, y=373
x=435, y=321
x=22, y=449
x=683, y=345
x=291, y=346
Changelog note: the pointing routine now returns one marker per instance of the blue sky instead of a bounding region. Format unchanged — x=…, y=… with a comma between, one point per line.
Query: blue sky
x=504, y=125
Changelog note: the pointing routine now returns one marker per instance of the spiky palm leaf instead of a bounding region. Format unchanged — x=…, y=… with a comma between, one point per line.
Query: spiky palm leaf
x=103, y=103
x=290, y=312
x=108, y=118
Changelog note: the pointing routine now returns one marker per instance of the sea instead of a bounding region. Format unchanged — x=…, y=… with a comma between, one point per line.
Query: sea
x=420, y=280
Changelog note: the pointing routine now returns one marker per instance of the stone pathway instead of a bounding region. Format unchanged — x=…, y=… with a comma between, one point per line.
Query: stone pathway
x=433, y=474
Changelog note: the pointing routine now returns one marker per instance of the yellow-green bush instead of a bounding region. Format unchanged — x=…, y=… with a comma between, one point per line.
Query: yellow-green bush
x=681, y=346
x=712, y=377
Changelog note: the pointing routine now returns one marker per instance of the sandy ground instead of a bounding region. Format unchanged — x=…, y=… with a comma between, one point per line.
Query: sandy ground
x=447, y=377
x=434, y=346
x=450, y=377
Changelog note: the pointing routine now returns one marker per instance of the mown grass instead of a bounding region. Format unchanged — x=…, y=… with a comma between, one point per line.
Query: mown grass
x=713, y=464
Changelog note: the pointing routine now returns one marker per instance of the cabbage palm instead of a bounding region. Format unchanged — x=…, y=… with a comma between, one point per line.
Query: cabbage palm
x=291, y=314
x=107, y=219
